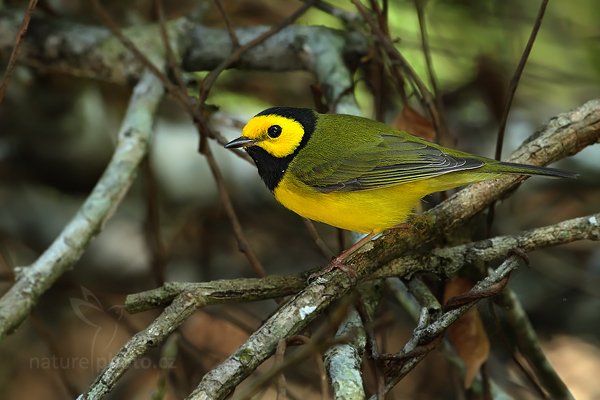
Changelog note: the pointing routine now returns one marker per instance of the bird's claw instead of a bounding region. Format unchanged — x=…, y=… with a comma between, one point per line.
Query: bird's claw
x=336, y=263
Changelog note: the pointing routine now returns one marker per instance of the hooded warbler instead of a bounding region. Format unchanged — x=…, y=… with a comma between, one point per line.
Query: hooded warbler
x=355, y=173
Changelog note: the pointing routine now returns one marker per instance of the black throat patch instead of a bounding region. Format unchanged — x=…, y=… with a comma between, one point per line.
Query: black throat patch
x=271, y=168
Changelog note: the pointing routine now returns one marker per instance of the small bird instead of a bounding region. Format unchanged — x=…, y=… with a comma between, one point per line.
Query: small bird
x=355, y=173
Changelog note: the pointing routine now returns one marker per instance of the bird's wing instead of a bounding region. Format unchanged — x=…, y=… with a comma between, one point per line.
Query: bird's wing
x=389, y=160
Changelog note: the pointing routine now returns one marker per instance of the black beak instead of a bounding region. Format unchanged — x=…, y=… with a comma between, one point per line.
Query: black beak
x=240, y=142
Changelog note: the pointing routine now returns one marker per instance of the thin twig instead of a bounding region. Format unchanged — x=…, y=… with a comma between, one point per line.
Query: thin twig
x=367, y=315
x=232, y=35
x=514, y=84
x=527, y=375
x=429, y=334
x=281, y=383
x=432, y=308
x=381, y=17
x=345, y=16
x=178, y=92
x=319, y=242
x=238, y=231
x=12, y=61
x=377, y=72
x=393, y=53
x=168, y=355
x=442, y=132
x=211, y=78
x=449, y=260
x=203, y=130
x=179, y=95
x=172, y=61
x=7, y=262
x=424, y=297
x=219, y=292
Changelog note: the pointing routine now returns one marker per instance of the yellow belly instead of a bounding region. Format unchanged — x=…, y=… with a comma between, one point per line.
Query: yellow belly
x=366, y=211
x=360, y=211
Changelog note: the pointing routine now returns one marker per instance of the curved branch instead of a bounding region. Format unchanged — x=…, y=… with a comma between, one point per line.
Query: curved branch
x=448, y=260
x=218, y=292
x=134, y=138
x=56, y=45
x=174, y=315
x=529, y=345
x=425, y=336
x=443, y=261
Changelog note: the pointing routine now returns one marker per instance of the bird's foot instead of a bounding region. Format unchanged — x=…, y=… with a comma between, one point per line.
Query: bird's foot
x=336, y=263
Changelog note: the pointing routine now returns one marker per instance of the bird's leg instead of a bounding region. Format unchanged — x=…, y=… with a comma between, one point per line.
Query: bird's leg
x=338, y=262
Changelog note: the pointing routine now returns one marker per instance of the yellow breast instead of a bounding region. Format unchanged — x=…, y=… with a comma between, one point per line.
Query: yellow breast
x=360, y=211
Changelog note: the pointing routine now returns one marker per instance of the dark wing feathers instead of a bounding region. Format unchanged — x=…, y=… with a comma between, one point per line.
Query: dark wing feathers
x=387, y=161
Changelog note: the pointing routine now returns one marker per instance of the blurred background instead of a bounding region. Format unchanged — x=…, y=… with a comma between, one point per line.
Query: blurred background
x=57, y=133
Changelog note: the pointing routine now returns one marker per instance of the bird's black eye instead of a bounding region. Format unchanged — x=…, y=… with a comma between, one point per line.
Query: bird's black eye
x=274, y=131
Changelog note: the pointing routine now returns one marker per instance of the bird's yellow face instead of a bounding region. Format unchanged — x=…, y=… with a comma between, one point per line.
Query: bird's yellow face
x=277, y=135
x=274, y=137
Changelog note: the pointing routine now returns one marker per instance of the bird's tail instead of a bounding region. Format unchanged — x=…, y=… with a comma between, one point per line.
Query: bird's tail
x=523, y=169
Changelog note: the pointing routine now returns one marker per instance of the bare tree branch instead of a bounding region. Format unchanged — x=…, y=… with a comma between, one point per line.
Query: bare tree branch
x=529, y=346
x=134, y=138
x=449, y=260
x=514, y=83
x=343, y=361
x=443, y=261
x=426, y=335
x=218, y=292
x=174, y=315
x=55, y=45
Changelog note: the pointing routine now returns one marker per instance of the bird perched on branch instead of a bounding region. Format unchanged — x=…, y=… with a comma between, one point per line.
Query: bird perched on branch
x=355, y=173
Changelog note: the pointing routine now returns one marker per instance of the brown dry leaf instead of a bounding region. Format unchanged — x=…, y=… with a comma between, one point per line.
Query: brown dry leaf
x=577, y=361
x=467, y=334
x=411, y=121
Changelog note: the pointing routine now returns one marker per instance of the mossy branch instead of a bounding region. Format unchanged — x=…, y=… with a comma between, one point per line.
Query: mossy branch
x=444, y=261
